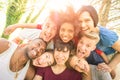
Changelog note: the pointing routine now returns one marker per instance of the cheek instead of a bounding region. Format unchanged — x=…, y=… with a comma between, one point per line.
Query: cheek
x=72, y=35
x=88, y=53
x=67, y=56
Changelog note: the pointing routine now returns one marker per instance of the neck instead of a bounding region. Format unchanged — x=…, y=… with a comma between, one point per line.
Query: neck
x=60, y=66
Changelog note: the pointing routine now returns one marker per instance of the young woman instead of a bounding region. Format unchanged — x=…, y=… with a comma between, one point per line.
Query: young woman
x=44, y=60
x=60, y=70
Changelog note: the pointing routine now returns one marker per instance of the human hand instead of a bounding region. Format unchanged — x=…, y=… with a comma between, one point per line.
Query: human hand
x=83, y=65
x=104, y=67
x=9, y=29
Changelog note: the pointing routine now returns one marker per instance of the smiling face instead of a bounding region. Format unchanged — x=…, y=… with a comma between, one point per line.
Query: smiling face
x=86, y=23
x=79, y=64
x=85, y=46
x=49, y=31
x=61, y=56
x=35, y=48
x=66, y=32
x=44, y=60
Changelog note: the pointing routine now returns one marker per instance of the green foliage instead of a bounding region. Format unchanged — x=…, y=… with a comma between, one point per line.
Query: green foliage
x=15, y=9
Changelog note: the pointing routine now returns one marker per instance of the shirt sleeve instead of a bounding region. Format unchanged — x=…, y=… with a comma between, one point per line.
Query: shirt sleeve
x=107, y=37
x=40, y=71
x=29, y=34
x=98, y=51
x=39, y=26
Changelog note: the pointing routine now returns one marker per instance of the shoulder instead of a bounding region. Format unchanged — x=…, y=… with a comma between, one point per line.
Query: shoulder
x=107, y=37
x=40, y=70
x=4, y=43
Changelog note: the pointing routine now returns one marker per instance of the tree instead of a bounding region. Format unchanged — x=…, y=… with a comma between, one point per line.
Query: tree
x=104, y=12
x=15, y=9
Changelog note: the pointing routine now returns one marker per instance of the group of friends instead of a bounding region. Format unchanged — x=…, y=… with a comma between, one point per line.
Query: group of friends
x=69, y=45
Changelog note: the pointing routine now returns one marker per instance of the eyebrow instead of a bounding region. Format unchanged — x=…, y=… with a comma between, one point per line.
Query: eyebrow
x=43, y=41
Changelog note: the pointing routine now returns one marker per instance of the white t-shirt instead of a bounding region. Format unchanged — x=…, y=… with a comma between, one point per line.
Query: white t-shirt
x=29, y=34
x=5, y=72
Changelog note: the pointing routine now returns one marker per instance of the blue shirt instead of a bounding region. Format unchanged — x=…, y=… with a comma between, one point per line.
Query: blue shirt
x=107, y=39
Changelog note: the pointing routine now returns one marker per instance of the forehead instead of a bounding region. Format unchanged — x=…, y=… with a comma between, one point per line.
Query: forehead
x=47, y=53
x=50, y=23
x=39, y=41
x=84, y=14
x=86, y=39
x=67, y=25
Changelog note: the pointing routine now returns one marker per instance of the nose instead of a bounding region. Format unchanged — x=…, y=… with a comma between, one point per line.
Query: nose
x=60, y=54
x=49, y=30
x=83, y=48
x=65, y=33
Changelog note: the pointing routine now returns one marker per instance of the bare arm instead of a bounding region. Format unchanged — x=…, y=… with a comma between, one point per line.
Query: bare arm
x=116, y=58
x=11, y=28
x=37, y=77
x=4, y=45
x=105, y=58
x=116, y=45
x=30, y=73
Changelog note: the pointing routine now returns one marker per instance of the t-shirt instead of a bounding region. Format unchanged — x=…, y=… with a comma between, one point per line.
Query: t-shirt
x=107, y=39
x=29, y=34
x=67, y=74
x=5, y=72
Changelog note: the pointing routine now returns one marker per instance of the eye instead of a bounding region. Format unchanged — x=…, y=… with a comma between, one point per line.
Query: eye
x=80, y=21
x=78, y=61
x=78, y=50
x=59, y=49
x=88, y=45
x=42, y=50
x=65, y=50
x=62, y=30
x=87, y=20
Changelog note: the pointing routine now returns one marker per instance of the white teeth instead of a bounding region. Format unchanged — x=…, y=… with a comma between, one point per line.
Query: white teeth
x=34, y=52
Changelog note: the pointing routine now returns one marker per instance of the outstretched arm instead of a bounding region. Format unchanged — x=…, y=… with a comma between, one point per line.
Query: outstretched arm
x=11, y=28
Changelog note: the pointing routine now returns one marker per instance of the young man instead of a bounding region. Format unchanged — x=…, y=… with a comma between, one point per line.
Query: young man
x=15, y=60
x=87, y=44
